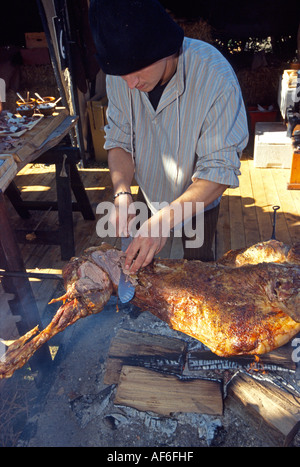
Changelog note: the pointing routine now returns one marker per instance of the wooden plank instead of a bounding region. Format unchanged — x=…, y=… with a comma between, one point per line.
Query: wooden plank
x=295, y=195
x=146, y=350
x=272, y=195
x=279, y=358
x=34, y=139
x=50, y=125
x=263, y=208
x=275, y=412
x=223, y=243
x=148, y=390
x=82, y=233
x=237, y=229
x=289, y=208
x=252, y=235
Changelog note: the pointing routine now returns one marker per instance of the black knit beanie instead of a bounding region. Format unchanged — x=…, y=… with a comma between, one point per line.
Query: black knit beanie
x=132, y=34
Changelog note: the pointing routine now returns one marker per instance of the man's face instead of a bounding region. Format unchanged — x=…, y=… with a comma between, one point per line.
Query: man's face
x=147, y=78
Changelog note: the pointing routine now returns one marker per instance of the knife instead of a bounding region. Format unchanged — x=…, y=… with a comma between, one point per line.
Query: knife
x=125, y=289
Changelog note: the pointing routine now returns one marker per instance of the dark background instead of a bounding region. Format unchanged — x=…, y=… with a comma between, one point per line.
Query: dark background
x=229, y=18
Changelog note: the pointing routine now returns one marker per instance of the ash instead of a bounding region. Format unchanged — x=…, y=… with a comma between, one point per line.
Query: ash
x=75, y=408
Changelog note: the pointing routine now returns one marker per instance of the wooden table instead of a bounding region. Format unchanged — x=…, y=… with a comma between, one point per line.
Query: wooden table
x=40, y=145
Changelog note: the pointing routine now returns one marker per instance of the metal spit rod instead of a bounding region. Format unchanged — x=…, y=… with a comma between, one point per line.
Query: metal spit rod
x=34, y=275
x=275, y=208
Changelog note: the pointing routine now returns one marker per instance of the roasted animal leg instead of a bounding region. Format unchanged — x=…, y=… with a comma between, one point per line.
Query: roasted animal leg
x=84, y=297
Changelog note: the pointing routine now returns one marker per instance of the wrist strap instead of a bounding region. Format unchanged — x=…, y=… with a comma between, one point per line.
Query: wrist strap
x=121, y=193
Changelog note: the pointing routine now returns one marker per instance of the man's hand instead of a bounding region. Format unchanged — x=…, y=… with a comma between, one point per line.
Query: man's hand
x=153, y=234
x=148, y=241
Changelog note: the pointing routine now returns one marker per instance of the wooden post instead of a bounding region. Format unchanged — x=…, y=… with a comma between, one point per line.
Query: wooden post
x=14, y=196
x=65, y=213
x=294, y=183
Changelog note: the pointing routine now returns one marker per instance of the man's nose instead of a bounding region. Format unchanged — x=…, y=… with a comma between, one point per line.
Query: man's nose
x=131, y=80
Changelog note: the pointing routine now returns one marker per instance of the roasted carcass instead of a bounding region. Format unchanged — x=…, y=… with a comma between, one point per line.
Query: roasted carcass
x=233, y=309
x=248, y=302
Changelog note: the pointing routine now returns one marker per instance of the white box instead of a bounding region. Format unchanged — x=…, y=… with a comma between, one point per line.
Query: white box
x=272, y=147
x=287, y=91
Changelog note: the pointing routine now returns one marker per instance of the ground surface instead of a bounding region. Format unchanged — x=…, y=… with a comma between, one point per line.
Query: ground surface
x=74, y=408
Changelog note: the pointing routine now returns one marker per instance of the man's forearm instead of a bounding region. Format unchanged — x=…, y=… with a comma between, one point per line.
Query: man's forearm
x=202, y=190
x=199, y=191
x=121, y=169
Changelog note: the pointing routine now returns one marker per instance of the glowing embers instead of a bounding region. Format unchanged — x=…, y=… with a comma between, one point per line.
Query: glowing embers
x=257, y=366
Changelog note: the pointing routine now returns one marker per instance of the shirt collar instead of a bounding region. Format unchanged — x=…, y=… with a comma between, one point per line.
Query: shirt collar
x=175, y=87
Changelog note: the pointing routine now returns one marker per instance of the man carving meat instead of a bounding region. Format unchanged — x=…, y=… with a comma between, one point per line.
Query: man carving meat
x=176, y=121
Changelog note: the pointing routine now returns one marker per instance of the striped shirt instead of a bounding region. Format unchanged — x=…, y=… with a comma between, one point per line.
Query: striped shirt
x=198, y=129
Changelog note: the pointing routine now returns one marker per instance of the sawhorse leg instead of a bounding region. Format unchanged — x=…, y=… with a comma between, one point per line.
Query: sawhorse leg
x=78, y=189
x=65, y=213
x=68, y=181
x=14, y=196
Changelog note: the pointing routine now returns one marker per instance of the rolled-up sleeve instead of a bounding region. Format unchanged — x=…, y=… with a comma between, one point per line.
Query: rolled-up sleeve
x=223, y=136
x=118, y=131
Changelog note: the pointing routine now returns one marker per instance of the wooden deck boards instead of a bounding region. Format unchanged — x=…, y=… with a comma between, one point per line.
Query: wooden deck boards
x=245, y=216
x=249, y=208
x=246, y=212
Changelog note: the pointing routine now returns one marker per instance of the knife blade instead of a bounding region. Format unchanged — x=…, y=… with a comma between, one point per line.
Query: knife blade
x=125, y=289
